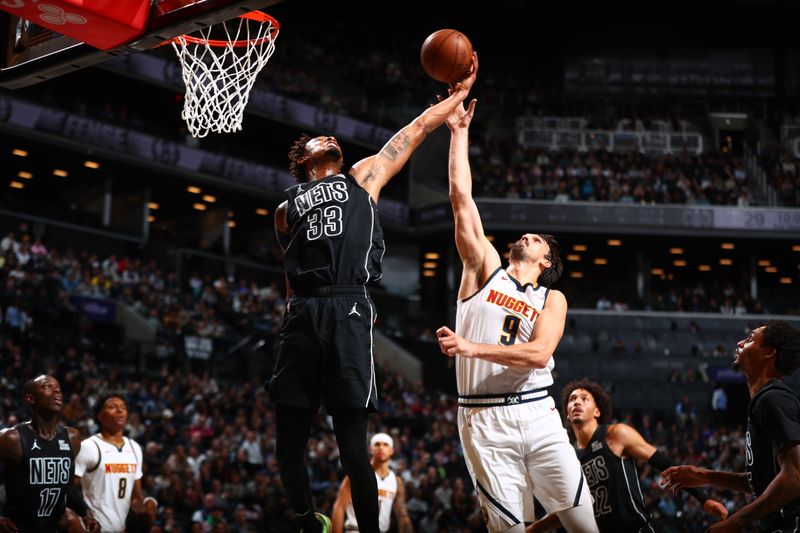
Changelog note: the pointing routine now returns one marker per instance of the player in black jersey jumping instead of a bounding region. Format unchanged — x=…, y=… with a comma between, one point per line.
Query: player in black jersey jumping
x=772, y=455
x=608, y=454
x=39, y=464
x=333, y=245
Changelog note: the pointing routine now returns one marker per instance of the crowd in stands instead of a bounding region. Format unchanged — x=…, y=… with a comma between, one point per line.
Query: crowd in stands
x=509, y=171
x=209, y=439
x=783, y=172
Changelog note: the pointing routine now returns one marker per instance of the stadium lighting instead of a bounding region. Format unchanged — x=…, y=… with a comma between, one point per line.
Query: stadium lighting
x=210, y=199
x=429, y=264
x=614, y=242
x=19, y=152
x=60, y=173
x=728, y=246
x=679, y=263
x=704, y=268
x=676, y=251
x=152, y=205
x=432, y=255
x=576, y=275
x=231, y=223
x=428, y=273
x=200, y=207
x=764, y=262
x=261, y=211
x=600, y=261
x=91, y=164
x=726, y=262
x=771, y=270
x=24, y=174
x=194, y=190
x=573, y=257
x=151, y=218
x=786, y=281
x=657, y=271
x=796, y=248
x=579, y=247
x=16, y=185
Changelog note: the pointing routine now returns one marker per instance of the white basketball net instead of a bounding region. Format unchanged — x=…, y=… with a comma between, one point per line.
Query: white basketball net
x=219, y=73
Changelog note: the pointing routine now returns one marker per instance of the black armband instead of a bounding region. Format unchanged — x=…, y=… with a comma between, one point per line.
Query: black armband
x=75, y=500
x=662, y=461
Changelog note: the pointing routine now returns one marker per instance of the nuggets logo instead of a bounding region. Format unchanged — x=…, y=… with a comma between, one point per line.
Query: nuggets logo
x=512, y=304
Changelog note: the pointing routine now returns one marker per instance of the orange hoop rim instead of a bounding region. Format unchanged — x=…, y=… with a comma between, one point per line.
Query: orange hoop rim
x=258, y=16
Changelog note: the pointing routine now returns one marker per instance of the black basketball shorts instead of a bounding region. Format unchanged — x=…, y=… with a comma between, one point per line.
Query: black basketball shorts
x=325, y=351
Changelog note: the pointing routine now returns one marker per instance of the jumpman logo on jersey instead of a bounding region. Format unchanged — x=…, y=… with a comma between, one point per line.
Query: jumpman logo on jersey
x=354, y=311
x=35, y=446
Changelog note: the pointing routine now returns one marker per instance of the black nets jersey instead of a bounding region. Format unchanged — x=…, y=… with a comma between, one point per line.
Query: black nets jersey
x=334, y=234
x=36, y=486
x=614, y=484
x=773, y=421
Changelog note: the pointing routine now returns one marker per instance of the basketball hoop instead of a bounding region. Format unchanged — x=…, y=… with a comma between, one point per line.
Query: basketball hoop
x=219, y=72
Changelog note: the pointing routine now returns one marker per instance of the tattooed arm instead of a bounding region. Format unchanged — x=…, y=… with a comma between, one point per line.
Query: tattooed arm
x=375, y=171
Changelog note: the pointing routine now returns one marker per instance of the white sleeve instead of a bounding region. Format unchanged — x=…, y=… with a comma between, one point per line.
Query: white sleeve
x=139, y=458
x=88, y=458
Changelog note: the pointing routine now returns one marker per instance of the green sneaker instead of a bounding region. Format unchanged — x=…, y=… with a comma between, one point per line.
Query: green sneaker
x=327, y=527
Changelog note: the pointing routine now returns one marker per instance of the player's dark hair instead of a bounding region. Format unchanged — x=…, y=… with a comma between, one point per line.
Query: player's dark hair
x=103, y=398
x=786, y=341
x=296, y=153
x=550, y=275
x=601, y=397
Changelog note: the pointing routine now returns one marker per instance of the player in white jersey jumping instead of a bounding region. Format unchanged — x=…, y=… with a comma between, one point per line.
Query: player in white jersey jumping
x=391, y=493
x=508, y=324
x=109, y=468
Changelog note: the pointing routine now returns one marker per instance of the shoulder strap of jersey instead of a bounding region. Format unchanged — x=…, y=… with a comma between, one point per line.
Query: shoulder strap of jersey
x=25, y=436
x=600, y=434
x=133, y=446
x=99, y=454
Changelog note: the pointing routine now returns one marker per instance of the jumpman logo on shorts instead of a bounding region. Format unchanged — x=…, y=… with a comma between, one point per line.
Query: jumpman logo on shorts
x=354, y=311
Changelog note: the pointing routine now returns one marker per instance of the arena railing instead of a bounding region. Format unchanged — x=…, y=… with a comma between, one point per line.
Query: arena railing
x=655, y=142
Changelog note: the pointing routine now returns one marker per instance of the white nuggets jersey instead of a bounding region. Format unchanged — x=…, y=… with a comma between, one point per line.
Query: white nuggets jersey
x=107, y=477
x=501, y=312
x=387, y=490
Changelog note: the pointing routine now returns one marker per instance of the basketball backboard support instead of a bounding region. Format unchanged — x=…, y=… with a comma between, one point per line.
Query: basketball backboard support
x=30, y=53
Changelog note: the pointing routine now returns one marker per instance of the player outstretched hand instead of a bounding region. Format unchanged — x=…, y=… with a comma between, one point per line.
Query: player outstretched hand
x=451, y=344
x=7, y=526
x=682, y=477
x=469, y=80
x=460, y=118
x=715, y=508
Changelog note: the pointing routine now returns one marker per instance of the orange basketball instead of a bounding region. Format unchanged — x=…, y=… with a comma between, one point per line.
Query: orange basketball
x=446, y=55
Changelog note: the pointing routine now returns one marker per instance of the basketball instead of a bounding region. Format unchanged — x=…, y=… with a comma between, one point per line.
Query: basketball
x=446, y=55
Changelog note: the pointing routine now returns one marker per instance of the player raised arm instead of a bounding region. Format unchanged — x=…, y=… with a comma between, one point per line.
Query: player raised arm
x=477, y=254
x=374, y=172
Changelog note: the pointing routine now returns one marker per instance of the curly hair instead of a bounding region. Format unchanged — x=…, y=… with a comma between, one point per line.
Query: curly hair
x=600, y=396
x=550, y=275
x=786, y=341
x=100, y=404
x=296, y=153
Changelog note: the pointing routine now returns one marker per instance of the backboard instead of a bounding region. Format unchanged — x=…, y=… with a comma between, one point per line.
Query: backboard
x=31, y=53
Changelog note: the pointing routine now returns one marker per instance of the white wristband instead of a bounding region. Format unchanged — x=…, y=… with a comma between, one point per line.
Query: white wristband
x=150, y=498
